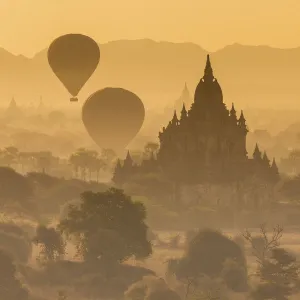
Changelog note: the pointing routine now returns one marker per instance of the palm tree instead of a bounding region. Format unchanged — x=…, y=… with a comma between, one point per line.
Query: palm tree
x=99, y=164
x=75, y=162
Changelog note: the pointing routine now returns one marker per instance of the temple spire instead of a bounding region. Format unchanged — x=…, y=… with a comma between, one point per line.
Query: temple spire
x=274, y=169
x=242, y=118
x=257, y=153
x=208, y=71
x=128, y=162
x=266, y=159
x=13, y=103
x=274, y=165
x=128, y=156
x=118, y=165
x=183, y=112
x=242, y=123
x=175, y=119
x=185, y=95
x=233, y=112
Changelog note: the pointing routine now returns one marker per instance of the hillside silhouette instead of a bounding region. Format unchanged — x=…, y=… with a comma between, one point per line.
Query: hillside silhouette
x=254, y=76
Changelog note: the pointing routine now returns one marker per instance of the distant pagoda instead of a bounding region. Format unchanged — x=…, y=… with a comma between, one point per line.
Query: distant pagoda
x=185, y=98
x=13, y=111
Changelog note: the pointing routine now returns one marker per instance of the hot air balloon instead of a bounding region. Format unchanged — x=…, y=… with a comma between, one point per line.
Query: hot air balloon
x=73, y=58
x=113, y=117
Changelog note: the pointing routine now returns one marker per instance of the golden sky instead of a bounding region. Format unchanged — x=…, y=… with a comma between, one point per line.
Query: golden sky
x=28, y=26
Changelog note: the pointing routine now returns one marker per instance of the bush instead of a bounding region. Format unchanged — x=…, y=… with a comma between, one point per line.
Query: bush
x=51, y=242
x=279, y=276
x=208, y=254
x=209, y=249
x=235, y=276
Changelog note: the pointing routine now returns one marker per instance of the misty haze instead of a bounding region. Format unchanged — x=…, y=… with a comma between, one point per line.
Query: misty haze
x=136, y=164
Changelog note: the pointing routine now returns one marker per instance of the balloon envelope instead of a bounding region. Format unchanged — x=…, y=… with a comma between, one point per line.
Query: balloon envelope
x=73, y=58
x=113, y=117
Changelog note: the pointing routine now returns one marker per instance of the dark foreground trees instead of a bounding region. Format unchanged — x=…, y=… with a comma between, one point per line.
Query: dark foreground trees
x=210, y=254
x=278, y=270
x=108, y=227
x=278, y=275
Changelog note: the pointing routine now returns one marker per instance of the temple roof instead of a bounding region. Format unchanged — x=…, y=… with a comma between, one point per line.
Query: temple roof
x=208, y=90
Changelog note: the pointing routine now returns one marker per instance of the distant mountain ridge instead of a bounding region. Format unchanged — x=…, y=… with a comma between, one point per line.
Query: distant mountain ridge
x=254, y=76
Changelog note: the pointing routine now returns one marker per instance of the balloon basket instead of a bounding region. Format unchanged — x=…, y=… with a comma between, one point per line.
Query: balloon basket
x=74, y=99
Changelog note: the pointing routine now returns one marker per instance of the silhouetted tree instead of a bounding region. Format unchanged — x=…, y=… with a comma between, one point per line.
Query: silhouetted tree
x=279, y=277
x=86, y=161
x=263, y=244
x=109, y=225
x=206, y=254
x=51, y=243
x=277, y=269
x=97, y=164
x=208, y=251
